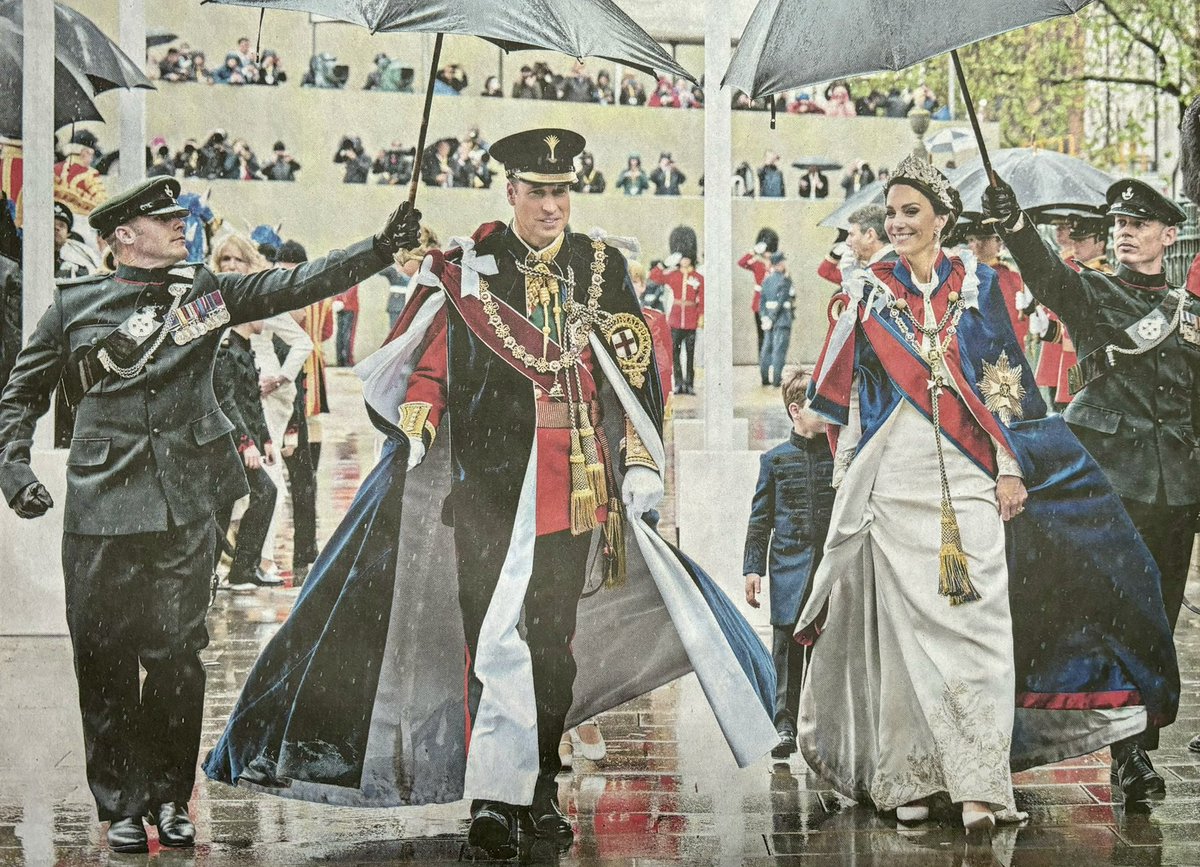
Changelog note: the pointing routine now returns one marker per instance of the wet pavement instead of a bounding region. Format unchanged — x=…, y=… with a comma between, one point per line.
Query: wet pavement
x=667, y=792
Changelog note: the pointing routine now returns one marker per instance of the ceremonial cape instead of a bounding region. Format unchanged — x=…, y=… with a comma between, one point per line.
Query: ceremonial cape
x=1094, y=654
x=359, y=698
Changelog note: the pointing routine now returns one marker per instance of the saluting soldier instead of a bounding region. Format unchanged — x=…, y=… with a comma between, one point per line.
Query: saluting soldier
x=1135, y=389
x=151, y=461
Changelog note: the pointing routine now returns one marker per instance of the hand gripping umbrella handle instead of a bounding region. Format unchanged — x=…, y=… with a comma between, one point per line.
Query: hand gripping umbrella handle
x=966, y=94
x=419, y=157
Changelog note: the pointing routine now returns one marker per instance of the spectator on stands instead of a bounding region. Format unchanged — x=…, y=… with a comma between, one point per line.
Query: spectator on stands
x=282, y=166
x=814, y=184
x=526, y=85
x=242, y=164
x=550, y=84
x=695, y=94
x=838, y=102
x=199, y=71
x=665, y=95
x=323, y=72
x=375, y=76
x=436, y=170
x=470, y=165
x=666, y=178
x=634, y=180
x=770, y=177
x=897, y=104
x=804, y=104
x=579, y=87
x=924, y=98
x=231, y=72
x=588, y=178
x=883, y=176
x=395, y=164
x=451, y=80
x=214, y=155
x=491, y=87
x=870, y=105
x=632, y=92
x=188, y=161
x=476, y=138
x=859, y=176
x=245, y=54
x=352, y=153
x=604, y=89
x=743, y=180
x=161, y=164
x=270, y=70
x=170, y=68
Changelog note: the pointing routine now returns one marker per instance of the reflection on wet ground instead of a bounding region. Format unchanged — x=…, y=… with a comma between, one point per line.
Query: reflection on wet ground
x=668, y=790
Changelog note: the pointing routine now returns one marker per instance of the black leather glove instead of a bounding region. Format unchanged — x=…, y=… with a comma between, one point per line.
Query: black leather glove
x=402, y=231
x=32, y=501
x=1000, y=204
x=843, y=234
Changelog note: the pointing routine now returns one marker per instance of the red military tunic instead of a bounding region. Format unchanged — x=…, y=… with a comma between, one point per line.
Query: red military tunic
x=756, y=266
x=687, y=287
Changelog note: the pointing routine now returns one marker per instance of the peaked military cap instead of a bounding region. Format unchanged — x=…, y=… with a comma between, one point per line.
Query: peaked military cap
x=153, y=198
x=540, y=156
x=62, y=212
x=1083, y=227
x=972, y=225
x=1131, y=198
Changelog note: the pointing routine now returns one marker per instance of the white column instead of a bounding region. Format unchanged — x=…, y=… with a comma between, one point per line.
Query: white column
x=131, y=23
x=37, y=122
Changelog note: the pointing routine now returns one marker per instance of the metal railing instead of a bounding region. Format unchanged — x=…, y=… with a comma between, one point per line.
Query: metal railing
x=1179, y=256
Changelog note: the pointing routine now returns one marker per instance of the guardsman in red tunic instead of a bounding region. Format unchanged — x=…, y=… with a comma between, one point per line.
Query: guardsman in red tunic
x=686, y=315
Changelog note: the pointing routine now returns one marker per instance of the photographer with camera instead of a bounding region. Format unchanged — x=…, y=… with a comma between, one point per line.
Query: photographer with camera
x=395, y=163
x=666, y=178
x=282, y=167
x=352, y=153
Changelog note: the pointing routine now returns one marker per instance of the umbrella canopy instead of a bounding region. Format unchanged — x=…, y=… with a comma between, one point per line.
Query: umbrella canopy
x=580, y=28
x=871, y=194
x=1041, y=179
x=72, y=91
x=824, y=164
x=156, y=36
x=951, y=141
x=83, y=45
x=792, y=43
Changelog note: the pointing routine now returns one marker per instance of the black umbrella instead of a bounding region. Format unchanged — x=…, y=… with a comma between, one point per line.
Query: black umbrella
x=792, y=43
x=156, y=37
x=823, y=164
x=1042, y=179
x=579, y=28
x=72, y=91
x=83, y=45
x=871, y=194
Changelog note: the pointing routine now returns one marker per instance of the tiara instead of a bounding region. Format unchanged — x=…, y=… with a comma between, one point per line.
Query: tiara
x=916, y=169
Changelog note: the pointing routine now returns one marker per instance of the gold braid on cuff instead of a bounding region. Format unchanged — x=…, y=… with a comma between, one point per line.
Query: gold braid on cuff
x=636, y=453
x=414, y=421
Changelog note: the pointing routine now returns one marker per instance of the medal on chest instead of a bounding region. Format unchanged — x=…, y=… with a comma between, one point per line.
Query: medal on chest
x=1189, y=327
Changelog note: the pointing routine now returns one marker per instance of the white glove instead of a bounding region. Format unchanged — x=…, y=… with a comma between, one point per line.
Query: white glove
x=641, y=491
x=1039, y=322
x=1023, y=299
x=416, y=453
x=338, y=306
x=673, y=260
x=760, y=247
x=766, y=324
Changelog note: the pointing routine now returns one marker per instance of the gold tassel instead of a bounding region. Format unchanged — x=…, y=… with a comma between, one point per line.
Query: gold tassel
x=953, y=578
x=591, y=456
x=583, y=500
x=616, y=573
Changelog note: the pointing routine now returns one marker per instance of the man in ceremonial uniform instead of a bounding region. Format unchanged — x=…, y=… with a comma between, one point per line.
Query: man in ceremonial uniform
x=537, y=375
x=686, y=315
x=1136, y=387
x=151, y=461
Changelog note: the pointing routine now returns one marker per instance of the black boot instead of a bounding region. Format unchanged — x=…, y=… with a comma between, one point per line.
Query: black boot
x=549, y=823
x=1134, y=774
x=175, y=829
x=787, y=740
x=127, y=835
x=495, y=828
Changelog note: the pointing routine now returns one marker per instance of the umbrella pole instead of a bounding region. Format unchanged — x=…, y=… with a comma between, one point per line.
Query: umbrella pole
x=966, y=95
x=419, y=157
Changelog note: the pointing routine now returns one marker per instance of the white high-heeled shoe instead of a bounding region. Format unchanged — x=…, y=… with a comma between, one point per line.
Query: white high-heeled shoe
x=910, y=814
x=978, y=820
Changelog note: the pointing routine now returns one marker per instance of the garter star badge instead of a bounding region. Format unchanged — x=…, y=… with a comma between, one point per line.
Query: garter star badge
x=631, y=343
x=1001, y=389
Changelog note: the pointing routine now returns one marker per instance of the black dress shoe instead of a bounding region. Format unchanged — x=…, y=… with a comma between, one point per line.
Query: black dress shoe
x=1194, y=744
x=548, y=820
x=787, y=743
x=175, y=829
x=495, y=828
x=1134, y=774
x=127, y=835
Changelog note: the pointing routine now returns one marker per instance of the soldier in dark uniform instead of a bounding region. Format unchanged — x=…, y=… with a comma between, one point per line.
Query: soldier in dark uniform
x=1136, y=388
x=151, y=461
x=10, y=316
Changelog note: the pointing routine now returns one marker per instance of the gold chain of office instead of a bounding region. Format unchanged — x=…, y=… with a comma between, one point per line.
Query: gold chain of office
x=580, y=320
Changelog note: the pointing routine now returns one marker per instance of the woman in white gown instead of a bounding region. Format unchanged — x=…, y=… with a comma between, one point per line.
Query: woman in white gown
x=912, y=684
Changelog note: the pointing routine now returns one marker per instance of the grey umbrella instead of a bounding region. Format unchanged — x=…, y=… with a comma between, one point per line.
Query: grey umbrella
x=72, y=91
x=824, y=164
x=580, y=28
x=1042, y=180
x=83, y=45
x=871, y=194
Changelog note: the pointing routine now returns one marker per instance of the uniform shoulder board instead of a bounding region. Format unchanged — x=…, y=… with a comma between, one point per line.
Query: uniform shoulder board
x=64, y=282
